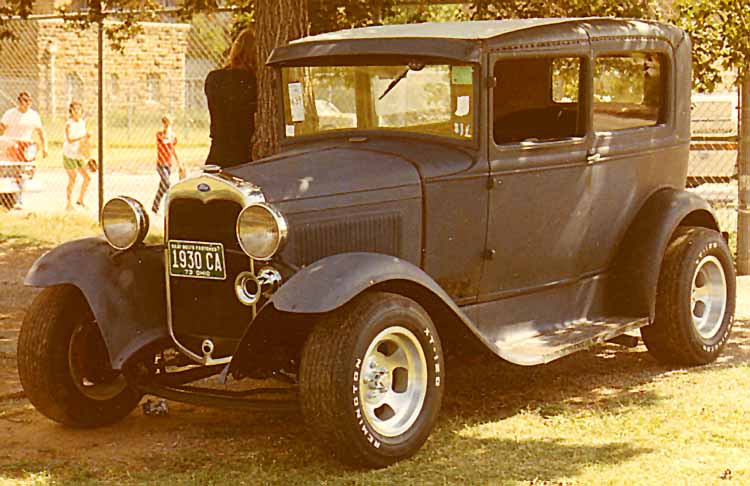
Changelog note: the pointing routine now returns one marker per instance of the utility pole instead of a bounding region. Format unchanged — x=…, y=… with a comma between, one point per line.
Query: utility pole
x=743, y=169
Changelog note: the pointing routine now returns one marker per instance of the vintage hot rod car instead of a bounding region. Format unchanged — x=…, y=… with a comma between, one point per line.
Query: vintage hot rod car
x=516, y=185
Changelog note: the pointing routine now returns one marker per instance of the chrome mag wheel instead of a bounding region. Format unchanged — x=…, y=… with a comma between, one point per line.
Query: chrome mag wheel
x=708, y=297
x=393, y=382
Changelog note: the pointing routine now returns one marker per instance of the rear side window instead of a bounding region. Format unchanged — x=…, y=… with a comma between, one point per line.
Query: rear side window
x=537, y=99
x=628, y=91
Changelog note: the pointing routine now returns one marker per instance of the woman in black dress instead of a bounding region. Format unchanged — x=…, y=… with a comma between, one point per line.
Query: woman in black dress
x=232, y=101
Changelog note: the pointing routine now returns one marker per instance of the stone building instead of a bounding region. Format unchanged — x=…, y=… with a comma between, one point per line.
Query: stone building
x=57, y=63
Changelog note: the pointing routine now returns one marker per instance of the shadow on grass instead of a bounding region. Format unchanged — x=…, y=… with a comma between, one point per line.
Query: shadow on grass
x=451, y=458
x=470, y=444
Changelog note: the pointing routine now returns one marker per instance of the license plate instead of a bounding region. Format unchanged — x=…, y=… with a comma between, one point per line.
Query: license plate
x=196, y=259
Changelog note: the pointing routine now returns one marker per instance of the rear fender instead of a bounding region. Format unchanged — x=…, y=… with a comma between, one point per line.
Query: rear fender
x=638, y=262
x=125, y=290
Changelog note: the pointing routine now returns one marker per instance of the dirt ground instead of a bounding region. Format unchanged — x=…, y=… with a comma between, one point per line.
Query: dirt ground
x=140, y=443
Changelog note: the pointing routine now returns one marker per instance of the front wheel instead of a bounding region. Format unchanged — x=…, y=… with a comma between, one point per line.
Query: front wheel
x=64, y=366
x=695, y=299
x=371, y=379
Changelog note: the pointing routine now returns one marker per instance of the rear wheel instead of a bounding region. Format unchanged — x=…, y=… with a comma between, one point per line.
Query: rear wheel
x=64, y=365
x=370, y=379
x=695, y=299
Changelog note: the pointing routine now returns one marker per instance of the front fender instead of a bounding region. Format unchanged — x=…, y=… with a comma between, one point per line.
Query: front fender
x=638, y=262
x=333, y=281
x=325, y=286
x=125, y=290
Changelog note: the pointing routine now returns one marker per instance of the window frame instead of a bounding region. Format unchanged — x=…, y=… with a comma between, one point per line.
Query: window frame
x=153, y=88
x=585, y=98
x=665, y=116
x=473, y=142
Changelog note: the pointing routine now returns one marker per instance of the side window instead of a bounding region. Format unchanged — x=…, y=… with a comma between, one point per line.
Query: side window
x=628, y=91
x=537, y=99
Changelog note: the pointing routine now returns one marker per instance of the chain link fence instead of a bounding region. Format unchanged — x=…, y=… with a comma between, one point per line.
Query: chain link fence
x=162, y=70
x=159, y=72
x=712, y=170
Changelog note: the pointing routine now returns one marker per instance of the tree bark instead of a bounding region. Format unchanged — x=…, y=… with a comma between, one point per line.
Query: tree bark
x=277, y=22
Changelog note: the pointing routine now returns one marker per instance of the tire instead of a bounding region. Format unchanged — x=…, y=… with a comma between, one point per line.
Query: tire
x=8, y=200
x=64, y=365
x=695, y=299
x=371, y=379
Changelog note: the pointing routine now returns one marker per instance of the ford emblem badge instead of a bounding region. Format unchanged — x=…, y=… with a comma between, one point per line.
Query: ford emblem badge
x=203, y=187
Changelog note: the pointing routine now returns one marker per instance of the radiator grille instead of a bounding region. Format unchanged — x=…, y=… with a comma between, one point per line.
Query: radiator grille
x=204, y=308
x=377, y=234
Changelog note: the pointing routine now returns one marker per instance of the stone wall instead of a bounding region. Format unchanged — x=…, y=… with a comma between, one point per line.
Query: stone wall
x=148, y=72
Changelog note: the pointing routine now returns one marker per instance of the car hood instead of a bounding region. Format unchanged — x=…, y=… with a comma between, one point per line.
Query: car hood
x=329, y=171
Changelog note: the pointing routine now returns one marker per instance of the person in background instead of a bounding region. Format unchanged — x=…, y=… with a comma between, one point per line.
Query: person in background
x=166, y=155
x=21, y=124
x=232, y=98
x=75, y=153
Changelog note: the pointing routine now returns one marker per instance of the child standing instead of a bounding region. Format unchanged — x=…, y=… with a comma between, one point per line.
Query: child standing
x=166, y=155
x=74, y=146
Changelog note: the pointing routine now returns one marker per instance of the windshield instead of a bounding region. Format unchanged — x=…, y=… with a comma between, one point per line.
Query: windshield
x=435, y=99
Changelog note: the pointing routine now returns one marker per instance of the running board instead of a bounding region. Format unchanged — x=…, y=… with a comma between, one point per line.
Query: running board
x=561, y=341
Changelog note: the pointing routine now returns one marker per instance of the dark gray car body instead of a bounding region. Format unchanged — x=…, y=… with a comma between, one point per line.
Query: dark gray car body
x=538, y=249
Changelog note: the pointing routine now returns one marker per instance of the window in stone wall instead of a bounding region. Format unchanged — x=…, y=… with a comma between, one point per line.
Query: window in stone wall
x=114, y=86
x=73, y=88
x=153, y=88
x=78, y=5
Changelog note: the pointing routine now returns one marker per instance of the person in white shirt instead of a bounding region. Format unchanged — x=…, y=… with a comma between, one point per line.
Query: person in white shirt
x=75, y=152
x=21, y=124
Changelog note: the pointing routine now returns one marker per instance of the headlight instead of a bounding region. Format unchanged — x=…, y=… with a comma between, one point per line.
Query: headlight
x=261, y=231
x=124, y=221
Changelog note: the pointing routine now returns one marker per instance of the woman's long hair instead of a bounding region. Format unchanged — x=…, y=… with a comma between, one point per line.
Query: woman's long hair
x=242, y=54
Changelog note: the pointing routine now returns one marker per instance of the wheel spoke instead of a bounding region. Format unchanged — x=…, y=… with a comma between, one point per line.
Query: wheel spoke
x=378, y=358
x=399, y=402
x=396, y=360
x=702, y=294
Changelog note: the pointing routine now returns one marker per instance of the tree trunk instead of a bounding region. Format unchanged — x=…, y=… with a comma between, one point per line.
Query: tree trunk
x=277, y=22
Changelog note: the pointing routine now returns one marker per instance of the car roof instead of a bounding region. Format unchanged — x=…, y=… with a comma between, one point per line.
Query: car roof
x=462, y=41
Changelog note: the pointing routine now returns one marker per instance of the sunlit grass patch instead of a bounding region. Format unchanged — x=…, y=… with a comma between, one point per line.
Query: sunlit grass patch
x=42, y=478
x=43, y=229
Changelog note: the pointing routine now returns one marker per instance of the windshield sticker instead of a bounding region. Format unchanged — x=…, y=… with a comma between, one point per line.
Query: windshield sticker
x=296, y=102
x=290, y=130
x=462, y=106
x=461, y=75
x=462, y=129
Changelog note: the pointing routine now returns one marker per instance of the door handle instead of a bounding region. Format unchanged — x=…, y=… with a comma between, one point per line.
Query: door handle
x=595, y=157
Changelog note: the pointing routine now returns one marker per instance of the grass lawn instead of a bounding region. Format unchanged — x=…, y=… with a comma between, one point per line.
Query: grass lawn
x=607, y=416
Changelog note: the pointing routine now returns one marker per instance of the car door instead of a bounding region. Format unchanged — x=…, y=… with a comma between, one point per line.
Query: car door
x=636, y=149
x=540, y=200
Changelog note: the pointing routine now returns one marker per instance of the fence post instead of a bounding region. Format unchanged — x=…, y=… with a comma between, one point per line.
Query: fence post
x=743, y=166
x=100, y=102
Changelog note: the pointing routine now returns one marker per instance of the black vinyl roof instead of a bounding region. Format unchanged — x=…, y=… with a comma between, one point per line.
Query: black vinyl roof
x=459, y=41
